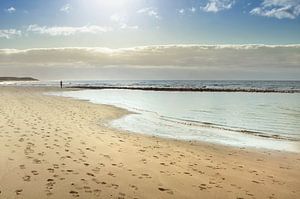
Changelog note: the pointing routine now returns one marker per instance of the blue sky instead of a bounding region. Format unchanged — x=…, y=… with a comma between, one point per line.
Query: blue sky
x=150, y=39
x=126, y=23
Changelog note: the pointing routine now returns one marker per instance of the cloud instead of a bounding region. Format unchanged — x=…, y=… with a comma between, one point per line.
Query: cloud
x=66, y=30
x=279, y=9
x=181, y=11
x=9, y=33
x=192, y=9
x=11, y=10
x=150, y=11
x=122, y=22
x=116, y=18
x=126, y=26
x=184, y=11
x=218, y=5
x=216, y=57
x=66, y=8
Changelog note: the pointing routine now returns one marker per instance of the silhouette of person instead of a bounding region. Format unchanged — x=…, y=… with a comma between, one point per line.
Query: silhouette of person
x=61, y=84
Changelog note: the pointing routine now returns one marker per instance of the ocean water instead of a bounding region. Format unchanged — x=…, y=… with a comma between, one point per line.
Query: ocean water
x=211, y=85
x=241, y=119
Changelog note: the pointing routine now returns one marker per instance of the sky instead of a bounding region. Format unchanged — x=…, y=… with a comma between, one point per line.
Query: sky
x=150, y=39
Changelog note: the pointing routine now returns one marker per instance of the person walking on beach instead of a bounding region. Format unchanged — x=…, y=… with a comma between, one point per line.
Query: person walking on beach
x=61, y=84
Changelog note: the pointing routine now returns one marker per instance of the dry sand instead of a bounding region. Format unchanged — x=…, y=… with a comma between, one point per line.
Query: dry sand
x=52, y=147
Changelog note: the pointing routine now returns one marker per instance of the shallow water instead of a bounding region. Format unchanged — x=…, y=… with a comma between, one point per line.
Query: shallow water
x=261, y=120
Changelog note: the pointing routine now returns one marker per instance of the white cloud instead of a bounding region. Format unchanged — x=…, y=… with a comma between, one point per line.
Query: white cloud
x=279, y=9
x=126, y=26
x=181, y=11
x=192, y=9
x=220, y=57
x=122, y=22
x=150, y=11
x=10, y=10
x=218, y=5
x=66, y=30
x=184, y=11
x=116, y=18
x=9, y=33
x=66, y=8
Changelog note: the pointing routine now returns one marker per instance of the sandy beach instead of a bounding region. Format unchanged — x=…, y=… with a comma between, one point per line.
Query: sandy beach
x=54, y=147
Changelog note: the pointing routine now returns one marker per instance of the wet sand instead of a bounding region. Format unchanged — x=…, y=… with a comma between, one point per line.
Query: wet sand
x=53, y=147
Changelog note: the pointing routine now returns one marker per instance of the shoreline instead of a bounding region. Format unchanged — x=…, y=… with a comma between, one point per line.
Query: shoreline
x=136, y=165
x=266, y=137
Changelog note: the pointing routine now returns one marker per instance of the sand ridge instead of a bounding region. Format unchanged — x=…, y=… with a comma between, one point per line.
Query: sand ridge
x=53, y=147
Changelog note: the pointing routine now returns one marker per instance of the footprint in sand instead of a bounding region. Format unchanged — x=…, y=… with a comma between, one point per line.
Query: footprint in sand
x=37, y=161
x=50, y=183
x=187, y=173
x=134, y=187
x=89, y=149
x=55, y=176
x=116, y=186
x=87, y=189
x=22, y=166
x=48, y=193
x=74, y=193
x=167, y=190
x=56, y=166
x=146, y=175
x=90, y=174
x=97, y=192
x=50, y=170
x=96, y=170
x=254, y=181
x=26, y=178
x=19, y=191
x=121, y=195
x=202, y=187
x=95, y=180
x=111, y=174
